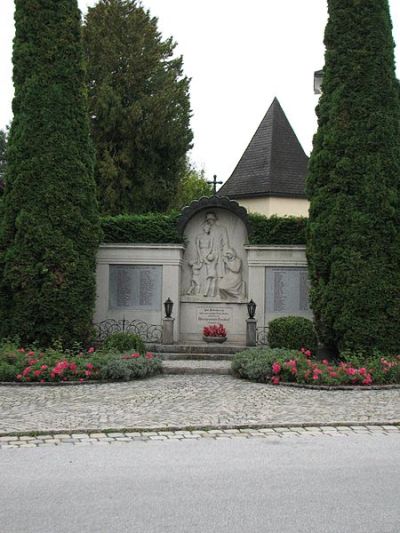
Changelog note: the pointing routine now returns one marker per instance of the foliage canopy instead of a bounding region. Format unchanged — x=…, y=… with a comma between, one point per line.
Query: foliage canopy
x=139, y=107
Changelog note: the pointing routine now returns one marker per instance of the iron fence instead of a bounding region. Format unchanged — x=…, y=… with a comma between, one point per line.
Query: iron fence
x=147, y=332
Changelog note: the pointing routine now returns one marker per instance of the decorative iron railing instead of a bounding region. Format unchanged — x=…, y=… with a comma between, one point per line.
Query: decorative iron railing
x=262, y=336
x=147, y=332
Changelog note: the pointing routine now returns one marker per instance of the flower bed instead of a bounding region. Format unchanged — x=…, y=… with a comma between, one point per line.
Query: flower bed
x=277, y=366
x=54, y=365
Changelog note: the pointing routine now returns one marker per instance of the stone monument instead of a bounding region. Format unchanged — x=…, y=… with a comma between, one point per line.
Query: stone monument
x=214, y=271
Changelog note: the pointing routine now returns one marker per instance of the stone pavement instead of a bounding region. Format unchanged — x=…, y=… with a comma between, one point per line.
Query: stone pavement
x=124, y=437
x=188, y=402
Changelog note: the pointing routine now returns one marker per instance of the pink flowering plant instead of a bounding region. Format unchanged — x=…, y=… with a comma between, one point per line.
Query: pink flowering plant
x=291, y=366
x=352, y=370
x=27, y=365
x=214, y=330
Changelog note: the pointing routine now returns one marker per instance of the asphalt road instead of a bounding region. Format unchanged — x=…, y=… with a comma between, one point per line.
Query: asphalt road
x=303, y=484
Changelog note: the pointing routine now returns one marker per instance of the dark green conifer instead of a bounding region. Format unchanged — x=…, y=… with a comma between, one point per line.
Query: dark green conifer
x=139, y=107
x=50, y=228
x=354, y=183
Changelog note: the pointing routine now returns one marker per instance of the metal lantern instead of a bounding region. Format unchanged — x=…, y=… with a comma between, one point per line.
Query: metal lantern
x=318, y=75
x=251, y=309
x=168, y=305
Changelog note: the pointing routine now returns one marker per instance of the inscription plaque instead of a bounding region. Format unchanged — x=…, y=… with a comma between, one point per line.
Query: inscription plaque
x=287, y=291
x=135, y=287
x=214, y=315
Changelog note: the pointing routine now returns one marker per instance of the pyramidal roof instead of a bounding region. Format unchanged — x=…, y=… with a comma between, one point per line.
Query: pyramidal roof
x=273, y=164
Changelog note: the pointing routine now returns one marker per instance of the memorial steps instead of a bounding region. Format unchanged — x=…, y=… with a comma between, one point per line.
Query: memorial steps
x=196, y=358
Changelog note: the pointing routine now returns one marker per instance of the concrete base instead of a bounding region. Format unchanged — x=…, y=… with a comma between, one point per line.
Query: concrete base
x=251, y=332
x=168, y=331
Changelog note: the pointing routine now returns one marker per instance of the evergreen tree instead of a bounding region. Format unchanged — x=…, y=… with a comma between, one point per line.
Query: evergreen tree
x=139, y=106
x=3, y=161
x=50, y=227
x=354, y=183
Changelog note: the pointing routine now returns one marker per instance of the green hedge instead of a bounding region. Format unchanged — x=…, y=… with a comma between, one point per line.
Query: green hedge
x=277, y=230
x=148, y=228
x=293, y=333
x=161, y=228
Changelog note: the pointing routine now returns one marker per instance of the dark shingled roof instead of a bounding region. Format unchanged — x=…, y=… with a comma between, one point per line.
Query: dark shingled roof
x=273, y=164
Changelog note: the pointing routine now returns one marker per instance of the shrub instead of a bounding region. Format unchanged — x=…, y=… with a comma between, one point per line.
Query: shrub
x=123, y=341
x=256, y=363
x=7, y=372
x=18, y=364
x=351, y=371
x=292, y=332
x=277, y=230
x=161, y=228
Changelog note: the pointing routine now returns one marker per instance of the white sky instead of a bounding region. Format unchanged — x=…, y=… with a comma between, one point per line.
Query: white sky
x=240, y=55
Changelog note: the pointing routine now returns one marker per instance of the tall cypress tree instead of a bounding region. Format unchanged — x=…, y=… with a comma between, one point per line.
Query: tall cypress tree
x=50, y=228
x=354, y=183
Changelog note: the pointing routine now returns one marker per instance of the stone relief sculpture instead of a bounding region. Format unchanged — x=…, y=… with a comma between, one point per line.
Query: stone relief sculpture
x=216, y=268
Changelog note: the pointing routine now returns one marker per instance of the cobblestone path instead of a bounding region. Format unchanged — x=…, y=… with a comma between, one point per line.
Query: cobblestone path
x=184, y=401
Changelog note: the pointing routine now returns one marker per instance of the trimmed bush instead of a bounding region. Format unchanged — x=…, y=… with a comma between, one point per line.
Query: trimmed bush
x=52, y=365
x=123, y=341
x=158, y=228
x=256, y=363
x=353, y=370
x=277, y=230
x=293, y=333
x=147, y=228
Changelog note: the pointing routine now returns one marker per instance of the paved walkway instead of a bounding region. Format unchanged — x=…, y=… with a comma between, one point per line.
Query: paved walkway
x=185, y=401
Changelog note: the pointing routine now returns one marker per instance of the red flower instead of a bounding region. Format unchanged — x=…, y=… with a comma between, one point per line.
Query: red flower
x=90, y=366
x=44, y=367
x=91, y=349
x=72, y=366
x=88, y=373
x=149, y=356
x=21, y=350
x=30, y=354
x=37, y=373
x=275, y=380
x=276, y=368
x=215, y=330
x=19, y=376
x=135, y=355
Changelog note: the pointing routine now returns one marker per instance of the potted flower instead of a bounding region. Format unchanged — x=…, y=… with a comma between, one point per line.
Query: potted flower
x=214, y=333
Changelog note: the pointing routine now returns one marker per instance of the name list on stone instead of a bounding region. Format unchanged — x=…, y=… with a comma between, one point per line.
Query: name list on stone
x=287, y=290
x=135, y=287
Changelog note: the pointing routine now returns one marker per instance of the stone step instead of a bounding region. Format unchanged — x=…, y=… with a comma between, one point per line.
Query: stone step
x=197, y=367
x=195, y=356
x=200, y=348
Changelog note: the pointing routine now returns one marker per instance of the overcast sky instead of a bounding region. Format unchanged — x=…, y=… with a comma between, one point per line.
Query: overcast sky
x=240, y=55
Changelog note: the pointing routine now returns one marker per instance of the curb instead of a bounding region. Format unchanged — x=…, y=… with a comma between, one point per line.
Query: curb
x=395, y=423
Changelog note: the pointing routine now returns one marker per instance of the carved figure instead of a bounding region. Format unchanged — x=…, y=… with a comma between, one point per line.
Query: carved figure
x=232, y=284
x=207, y=257
x=220, y=241
x=195, y=286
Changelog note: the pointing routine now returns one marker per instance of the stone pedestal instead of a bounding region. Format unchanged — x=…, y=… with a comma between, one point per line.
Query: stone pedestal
x=251, y=332
x=168, y=331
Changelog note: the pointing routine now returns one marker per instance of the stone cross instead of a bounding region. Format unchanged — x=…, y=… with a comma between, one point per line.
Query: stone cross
x=214, y=183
